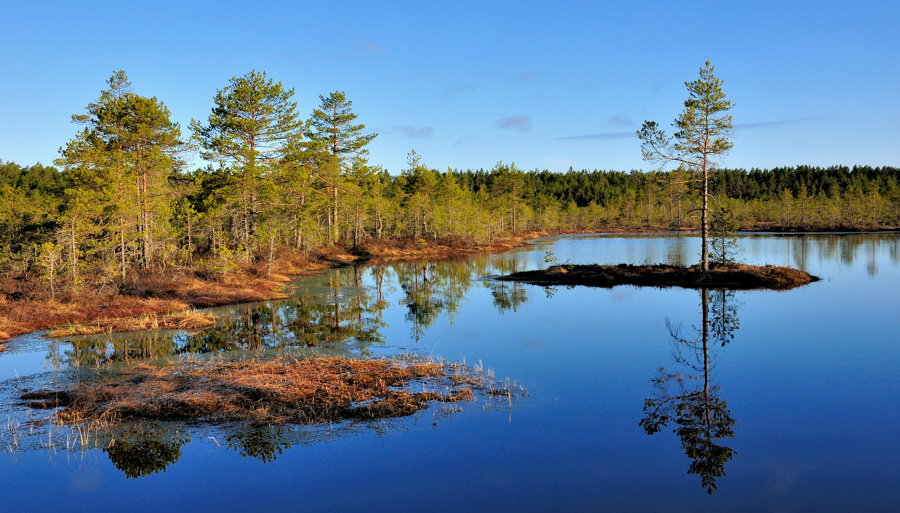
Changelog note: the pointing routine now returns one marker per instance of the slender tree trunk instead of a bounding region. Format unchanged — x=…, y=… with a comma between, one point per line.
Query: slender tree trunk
x=146, y=241
x=704, y=301
x=245, y=214
x=122, y=243
x=190, y=237
x=356, y=225
x=704, y=221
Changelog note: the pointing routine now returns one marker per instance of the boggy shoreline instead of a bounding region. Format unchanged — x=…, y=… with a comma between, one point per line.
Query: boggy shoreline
x=719, y=276
x=167, y=301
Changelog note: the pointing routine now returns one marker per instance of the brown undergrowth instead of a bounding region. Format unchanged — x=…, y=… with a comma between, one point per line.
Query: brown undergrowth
x=408, y=248
x=730, y=276
x=158, y=300
x=164, y=300
x=278, y=391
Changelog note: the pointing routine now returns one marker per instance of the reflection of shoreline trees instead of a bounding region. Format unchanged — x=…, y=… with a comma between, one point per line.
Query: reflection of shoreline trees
x=433, y=289
x=690, y=398
x=843, y=248
x=146, y=453
x=346, y=316
x=344, y=311
x=507, y=295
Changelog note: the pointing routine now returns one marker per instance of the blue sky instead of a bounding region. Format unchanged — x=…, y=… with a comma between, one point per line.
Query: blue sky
x=547, y=85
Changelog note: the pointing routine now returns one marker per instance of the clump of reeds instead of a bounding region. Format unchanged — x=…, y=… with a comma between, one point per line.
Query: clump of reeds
x=183, y=320
x=281, y=390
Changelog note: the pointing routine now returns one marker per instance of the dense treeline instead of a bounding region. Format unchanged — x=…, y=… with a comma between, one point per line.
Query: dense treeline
x=124, y=202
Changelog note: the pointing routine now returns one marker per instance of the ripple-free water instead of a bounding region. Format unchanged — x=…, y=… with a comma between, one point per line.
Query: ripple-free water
x=797, y=411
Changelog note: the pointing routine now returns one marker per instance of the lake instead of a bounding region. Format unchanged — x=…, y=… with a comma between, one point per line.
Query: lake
x=791, y=404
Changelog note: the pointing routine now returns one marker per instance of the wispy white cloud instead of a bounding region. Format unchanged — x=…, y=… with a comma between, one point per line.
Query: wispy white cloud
x=599, y=137
x=528, y=76
x=415, y=132
x=766, y=124
x=620, y=120
x=518, y=122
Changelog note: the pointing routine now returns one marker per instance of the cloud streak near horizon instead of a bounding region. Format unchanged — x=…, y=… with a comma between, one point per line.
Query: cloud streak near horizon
x=519, y=122
x=599, y=137
x=765, y=124
x=414, y=132
x=743, y=126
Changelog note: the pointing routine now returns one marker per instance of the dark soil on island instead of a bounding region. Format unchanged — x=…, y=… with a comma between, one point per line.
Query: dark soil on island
x=720, y=276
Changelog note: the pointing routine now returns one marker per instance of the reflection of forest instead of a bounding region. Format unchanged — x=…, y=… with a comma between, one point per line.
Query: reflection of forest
x=347, y=317
x=344, y=312
x=841, y=248
x=148, y=450
x=690, y=398
x=433, y=289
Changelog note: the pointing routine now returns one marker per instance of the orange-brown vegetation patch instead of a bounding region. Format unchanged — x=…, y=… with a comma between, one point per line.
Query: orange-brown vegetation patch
x=103, y=313
x=152, y=301
x=284, y=390
x=729, y=276
x=408, y=248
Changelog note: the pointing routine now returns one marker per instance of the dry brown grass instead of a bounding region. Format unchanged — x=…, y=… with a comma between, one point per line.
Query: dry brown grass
x=153, y=302
x=283, y=390
x=97, y=315
x=185, y=320
x=410, y=248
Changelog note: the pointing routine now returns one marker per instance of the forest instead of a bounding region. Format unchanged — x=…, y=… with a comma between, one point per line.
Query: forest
x=122, y=202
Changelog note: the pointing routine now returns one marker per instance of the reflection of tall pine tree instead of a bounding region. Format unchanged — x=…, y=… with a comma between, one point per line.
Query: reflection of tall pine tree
x=424, y=305
x=690, y=399
x=431, y=289
x=507, y=295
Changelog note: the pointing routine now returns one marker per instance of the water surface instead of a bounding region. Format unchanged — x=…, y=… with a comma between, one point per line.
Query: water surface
x=790, y=406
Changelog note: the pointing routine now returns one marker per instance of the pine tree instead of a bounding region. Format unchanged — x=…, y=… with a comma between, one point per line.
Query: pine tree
x=117, y=170
x=249, y=131
x=331, y=132
x=702, y=136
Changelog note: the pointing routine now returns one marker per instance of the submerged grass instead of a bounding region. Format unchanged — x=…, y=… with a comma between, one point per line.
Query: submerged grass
x=276, y=391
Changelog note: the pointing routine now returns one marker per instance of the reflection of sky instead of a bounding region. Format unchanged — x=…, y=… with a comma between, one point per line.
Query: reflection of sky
x=811, y=379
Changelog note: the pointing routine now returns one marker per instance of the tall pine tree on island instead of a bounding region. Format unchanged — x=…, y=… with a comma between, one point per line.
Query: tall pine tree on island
x=703, y=136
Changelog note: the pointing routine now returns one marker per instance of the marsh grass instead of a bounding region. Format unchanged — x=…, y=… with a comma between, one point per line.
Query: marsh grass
x=272, y=391
x=182, y=320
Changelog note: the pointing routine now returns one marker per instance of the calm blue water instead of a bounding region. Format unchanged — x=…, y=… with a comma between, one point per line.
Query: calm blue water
x=803, y=398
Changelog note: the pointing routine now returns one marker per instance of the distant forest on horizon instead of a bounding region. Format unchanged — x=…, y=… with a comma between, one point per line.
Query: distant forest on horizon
x=121, y=200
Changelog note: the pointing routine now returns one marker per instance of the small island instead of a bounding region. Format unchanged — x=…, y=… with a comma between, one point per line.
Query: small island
x=730, y=276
